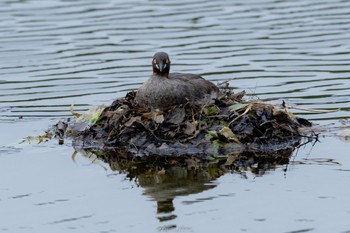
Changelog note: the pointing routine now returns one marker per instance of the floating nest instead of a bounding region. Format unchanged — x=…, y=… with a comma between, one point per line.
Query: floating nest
x=230, y=126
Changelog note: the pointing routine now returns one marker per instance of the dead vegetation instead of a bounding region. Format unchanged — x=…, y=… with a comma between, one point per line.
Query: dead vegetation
x=228, y=126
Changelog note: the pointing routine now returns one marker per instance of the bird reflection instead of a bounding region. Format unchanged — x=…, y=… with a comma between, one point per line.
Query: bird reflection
x=171, y=182
x=165, y=178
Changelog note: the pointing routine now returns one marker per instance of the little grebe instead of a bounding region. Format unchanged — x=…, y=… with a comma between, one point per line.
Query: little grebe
x=163, y=90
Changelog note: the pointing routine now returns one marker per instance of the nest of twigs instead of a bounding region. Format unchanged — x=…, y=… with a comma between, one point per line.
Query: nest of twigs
x=230, y=125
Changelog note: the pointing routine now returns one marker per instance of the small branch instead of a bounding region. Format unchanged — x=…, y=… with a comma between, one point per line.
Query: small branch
x=225, y=81
x=74, y=113
x=218, y=116
x=245, y=112
x=307, y=110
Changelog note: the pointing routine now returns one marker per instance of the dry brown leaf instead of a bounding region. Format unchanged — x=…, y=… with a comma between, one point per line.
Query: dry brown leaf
x=132, y=121
x=147, y=115
x=232, y=158
x=159, y=118
x=190, y=128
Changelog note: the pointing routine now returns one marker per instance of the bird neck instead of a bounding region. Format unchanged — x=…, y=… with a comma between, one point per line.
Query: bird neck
x=161, y=74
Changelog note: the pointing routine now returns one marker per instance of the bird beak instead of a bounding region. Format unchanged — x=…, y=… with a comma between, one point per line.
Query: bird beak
x=160, y=66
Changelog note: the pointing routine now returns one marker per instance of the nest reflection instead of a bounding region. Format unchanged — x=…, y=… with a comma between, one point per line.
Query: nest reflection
x=164, y=178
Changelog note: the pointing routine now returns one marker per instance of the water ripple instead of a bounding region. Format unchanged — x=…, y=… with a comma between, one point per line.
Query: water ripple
x=89, y=52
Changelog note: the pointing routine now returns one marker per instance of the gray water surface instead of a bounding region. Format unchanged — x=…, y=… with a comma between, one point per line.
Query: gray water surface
x=86, y=52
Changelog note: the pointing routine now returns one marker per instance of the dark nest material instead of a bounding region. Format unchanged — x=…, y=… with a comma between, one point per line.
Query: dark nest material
x=229, y=126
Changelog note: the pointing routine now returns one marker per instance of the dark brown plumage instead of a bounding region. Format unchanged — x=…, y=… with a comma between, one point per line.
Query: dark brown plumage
x=164, y=89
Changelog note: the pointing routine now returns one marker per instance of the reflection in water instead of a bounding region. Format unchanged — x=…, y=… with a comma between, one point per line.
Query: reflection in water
x=164, y=185
x=165, y=178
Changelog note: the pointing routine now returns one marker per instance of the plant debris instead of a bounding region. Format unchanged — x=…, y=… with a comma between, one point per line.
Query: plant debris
x=228, y=126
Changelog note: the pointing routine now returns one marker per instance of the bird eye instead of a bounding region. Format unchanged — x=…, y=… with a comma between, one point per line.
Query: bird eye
x=164, y=66
x=157, y=66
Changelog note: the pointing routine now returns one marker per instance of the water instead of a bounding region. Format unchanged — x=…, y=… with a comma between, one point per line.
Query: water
x=57, y=53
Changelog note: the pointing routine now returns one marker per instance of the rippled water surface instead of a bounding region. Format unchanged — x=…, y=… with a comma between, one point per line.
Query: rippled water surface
x=87, y=52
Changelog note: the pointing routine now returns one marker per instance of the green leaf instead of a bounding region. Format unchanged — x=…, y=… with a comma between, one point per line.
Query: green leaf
x=92, y=115
x=224, y=123
x=236, y=107
x=213, y=133
x=211, y=110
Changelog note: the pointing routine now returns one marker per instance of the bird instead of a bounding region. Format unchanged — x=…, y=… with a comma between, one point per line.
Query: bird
x=164, y=89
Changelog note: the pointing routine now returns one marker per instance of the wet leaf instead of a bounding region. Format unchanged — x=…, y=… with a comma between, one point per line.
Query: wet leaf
x=159, y=118
x=229, y=135
x=91, y=116
x=132, y=121
x=211, y=134
x=217, y=144
x=122, y=109
x=211, y=110
x=147, y=115
x=231, y=159
x=208, y=137
x=176, y=116
x=224, y=123
x=190, y=128
x=238, y=106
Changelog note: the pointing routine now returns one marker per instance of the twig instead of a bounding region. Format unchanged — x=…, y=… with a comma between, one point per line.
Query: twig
x=266, y=122
x=298, y=108
x=196, y=132
x=74, y=113
x=308, y=110
x=218, y=116
x=245, y=112
x=225, y=81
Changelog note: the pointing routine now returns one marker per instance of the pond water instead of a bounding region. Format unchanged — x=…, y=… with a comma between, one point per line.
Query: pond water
x=87, y=52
